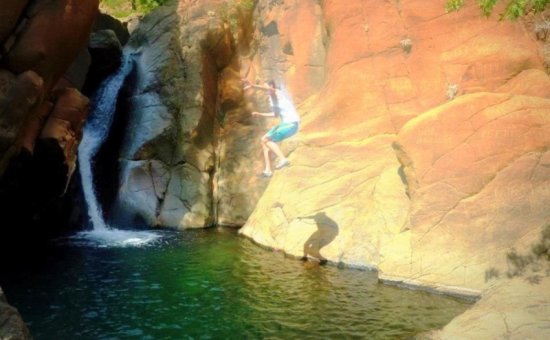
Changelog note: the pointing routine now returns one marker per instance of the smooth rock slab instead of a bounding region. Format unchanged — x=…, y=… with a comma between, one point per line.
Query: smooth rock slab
x=510, y=309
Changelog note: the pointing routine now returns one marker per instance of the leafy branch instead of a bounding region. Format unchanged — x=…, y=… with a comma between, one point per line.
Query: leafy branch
x=513, y=10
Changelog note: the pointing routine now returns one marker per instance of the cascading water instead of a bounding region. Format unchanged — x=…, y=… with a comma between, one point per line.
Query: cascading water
x=95, y=131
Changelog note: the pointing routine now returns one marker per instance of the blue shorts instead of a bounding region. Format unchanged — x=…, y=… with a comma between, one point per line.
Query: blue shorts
x=282, y=131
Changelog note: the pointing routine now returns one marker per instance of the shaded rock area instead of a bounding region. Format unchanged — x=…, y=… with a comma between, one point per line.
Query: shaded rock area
x=12, y=326
x=106, y=52
x=43, y=65
x=105, y=48
x=106, y=22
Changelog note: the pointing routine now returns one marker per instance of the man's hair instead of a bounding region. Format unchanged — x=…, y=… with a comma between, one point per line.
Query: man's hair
x=273, y=84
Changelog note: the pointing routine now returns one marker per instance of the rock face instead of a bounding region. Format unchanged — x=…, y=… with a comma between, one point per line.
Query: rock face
x=412, y=134
x=40, y=50
x=426, y=145
x=513, y=309
x=12, y=326
x=423, y=147
x=187, y=90
x=43, y=64
x=413, y=121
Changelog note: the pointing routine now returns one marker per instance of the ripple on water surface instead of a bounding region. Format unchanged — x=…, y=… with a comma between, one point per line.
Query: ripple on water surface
x=210, y=284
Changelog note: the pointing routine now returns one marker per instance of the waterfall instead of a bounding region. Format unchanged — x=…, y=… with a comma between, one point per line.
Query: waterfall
x=95, y=131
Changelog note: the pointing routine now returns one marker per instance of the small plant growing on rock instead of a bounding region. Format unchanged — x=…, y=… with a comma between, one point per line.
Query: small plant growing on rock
x=491, y=273
x=514, y=8
x=124, y=8
x=535, y=261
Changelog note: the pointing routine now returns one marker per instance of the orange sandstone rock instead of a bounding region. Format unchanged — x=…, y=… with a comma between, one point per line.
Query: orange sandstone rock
x=65, y=124
x=54, y=35
x=466, y=100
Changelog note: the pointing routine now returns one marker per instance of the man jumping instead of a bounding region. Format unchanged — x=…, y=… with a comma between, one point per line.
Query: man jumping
x=282, y=107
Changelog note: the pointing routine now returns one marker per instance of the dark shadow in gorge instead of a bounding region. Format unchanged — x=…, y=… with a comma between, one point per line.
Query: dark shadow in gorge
x=327, y=230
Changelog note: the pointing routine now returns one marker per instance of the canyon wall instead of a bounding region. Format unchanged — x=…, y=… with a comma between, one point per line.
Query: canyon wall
x=43, y=65
x=423, y=147
x=414, y=121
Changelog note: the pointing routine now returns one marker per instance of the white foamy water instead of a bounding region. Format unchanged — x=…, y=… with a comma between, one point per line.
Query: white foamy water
x=95, y=131
x=111, y=237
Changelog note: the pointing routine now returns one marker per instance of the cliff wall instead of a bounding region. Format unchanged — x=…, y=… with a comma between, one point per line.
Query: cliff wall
x=422, y=151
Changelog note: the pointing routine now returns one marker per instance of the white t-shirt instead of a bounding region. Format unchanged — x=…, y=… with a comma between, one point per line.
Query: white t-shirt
x=286, y=107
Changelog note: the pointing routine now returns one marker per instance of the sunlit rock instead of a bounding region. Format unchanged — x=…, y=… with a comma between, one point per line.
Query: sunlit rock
x=52, y=37
x=188, y=113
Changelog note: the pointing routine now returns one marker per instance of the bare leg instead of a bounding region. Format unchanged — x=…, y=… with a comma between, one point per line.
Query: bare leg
x=267, y=160
x=276, y=149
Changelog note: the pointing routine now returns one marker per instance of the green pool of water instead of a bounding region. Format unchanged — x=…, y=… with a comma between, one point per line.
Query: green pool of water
x=211, y=284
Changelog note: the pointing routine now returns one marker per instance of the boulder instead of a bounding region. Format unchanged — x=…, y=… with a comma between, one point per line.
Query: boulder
x=106, y=40
x=132, y=22
x=106, y=22
x=64, y=126
x=50, y=40
x=106, y=57
x=12, y=326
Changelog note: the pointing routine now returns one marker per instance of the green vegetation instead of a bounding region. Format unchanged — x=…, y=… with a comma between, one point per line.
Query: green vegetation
x=513, y=10
x=537, y=261
x=124, y=8
x=533, y=266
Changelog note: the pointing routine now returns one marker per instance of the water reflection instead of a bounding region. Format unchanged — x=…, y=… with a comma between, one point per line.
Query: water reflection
x=204, y=284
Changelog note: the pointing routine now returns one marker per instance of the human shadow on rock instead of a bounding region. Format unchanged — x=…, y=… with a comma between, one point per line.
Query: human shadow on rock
x=327, y=230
